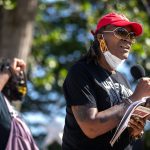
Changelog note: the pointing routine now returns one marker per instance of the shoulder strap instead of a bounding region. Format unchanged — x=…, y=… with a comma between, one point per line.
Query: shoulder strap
x=12, y=112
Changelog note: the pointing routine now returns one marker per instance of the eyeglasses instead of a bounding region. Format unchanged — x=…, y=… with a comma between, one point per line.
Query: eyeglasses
x=122, y=33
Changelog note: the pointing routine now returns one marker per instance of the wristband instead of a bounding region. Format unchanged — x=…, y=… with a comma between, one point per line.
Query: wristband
x=138, y=136
x=5, y=67
x=128, y=100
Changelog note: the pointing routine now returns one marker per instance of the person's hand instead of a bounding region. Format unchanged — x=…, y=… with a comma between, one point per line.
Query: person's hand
x=136, y=126
x=18, y=65
x=142, y=89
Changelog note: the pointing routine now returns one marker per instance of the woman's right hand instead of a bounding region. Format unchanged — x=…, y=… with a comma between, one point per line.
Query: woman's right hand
x=142, y=89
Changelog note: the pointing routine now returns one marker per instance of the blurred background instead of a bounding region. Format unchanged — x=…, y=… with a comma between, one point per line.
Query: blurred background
x=52, y=34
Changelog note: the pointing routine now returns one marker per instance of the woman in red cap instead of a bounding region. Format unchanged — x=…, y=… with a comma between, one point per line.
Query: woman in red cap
x=97, y=95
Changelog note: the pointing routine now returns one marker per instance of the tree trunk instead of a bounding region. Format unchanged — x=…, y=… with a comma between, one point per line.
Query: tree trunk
x=16, y=28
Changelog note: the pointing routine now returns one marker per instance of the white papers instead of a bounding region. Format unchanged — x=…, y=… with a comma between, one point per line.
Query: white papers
x=124, y=121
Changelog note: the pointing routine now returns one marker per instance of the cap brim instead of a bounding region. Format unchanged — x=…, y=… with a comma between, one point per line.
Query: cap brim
x=136, y=27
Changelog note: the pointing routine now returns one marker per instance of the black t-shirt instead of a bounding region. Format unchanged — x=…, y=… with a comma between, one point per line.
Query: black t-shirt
x=90, y=84
x=5, y=123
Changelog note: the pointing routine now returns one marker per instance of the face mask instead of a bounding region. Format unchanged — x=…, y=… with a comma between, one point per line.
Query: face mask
x=111, y=59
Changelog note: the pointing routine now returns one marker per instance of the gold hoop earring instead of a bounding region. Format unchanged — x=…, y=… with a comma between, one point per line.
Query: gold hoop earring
x=102, y=45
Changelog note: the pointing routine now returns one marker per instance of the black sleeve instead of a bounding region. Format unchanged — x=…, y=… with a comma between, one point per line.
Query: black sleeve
x=78, y=87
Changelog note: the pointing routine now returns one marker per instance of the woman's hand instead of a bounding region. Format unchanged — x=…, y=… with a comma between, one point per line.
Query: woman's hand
x=136, y=126
x=142, y=89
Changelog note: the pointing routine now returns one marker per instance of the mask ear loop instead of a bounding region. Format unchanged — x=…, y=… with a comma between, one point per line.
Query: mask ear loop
x=102, y=43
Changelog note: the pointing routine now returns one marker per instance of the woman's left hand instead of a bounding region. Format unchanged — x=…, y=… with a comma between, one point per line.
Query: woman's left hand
x=136, y=126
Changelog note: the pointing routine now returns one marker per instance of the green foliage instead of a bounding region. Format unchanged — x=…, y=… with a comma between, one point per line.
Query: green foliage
x=8, y=4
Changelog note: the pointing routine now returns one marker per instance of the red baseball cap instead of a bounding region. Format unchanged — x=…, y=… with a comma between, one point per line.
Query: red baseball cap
x=119, y=20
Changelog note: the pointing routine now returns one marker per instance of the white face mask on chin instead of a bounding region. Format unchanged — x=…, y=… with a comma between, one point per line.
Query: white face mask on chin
x=112, y=60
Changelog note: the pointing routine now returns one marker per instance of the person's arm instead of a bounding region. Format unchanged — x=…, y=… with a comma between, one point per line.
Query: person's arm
x=4, y=77
x=94, y=123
